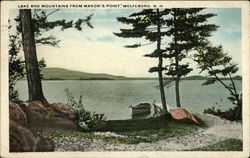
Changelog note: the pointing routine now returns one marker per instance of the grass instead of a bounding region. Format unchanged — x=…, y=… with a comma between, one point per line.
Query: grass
x=136, y=131
x=149, y=130
x=225, y=145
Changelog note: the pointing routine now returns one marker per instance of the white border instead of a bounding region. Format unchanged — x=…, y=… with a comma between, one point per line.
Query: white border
x=244, y=5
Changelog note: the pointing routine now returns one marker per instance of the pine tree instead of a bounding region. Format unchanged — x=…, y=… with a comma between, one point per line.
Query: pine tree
x=41, y=25
x=218, y=64
x=17, y=66
x=149, y=23
x=32, y=29
x=31, y=64
x=187, y=28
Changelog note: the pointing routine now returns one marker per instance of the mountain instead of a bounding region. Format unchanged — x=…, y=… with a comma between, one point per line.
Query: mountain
x=64, y=74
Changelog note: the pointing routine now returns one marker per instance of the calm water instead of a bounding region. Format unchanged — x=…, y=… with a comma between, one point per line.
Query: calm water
x=113, y=97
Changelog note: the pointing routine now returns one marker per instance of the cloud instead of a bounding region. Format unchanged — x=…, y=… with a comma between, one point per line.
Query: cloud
x=98, y=50
x=98, y=57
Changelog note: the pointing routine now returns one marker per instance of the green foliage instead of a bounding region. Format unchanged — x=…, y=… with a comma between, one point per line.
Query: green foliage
x=133, y=46
x=156, y=69
x=94, y=121
x=41, y=25
x=229, y=114
x=155, y=54
x=16, y=67
x=148, y=130
x=225, y=145
x=214, y=60
x=148, y=24
x=41, y=65
x=136, y=131
x=217, y=63
x=144, y=25
x=187, y=29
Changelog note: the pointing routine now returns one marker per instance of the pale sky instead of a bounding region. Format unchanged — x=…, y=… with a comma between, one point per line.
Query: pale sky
x=98, y=50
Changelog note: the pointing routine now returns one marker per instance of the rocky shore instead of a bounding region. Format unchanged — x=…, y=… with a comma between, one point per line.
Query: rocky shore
x=28, y=118
x=218, y=129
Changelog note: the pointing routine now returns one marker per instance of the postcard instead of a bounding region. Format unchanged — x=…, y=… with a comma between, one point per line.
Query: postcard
x=125, y=79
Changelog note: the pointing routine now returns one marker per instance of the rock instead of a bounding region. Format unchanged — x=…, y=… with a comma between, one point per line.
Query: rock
x=34, y=116
x=23, y=139
x=183, y=115
x=64, y=110
x=54, y=124
x=16, y=113
x=35, y=111
x=55, y=117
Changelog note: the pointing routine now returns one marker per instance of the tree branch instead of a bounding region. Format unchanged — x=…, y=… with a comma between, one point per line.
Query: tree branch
x=223, y=83
x=232, y=81
x=52, y=12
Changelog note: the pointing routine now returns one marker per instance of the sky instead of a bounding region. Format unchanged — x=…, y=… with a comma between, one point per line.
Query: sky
x=98, y=50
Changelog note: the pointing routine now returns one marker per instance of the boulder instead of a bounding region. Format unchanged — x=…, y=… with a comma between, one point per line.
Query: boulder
x=23, y=139
x=34, y=116
x=35, y=110
x=17, y=114
x=64, y=110
x=53, y=124
x=55, y=117
x=184, y=116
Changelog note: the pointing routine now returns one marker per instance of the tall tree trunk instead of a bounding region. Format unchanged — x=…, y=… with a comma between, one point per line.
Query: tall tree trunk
x=177, y=92
x=238, y=111
x=177, y=80
x=29, y=48
x=163, y=100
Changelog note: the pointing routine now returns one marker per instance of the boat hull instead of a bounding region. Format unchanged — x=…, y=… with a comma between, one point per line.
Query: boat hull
x=183, y=115
x=140, y=111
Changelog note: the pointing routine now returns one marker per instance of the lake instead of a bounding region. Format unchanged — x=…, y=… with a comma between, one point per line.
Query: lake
x=112, y=97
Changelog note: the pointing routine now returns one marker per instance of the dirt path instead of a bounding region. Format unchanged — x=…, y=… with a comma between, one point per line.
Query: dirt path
x=218, y=130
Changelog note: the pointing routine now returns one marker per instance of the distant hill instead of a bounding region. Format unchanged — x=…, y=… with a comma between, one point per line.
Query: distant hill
x=205, y=78
x=64, y=74
x=237, y=78
x=195, y=78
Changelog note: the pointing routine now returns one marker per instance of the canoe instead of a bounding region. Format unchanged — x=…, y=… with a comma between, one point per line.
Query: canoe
x=183, y=115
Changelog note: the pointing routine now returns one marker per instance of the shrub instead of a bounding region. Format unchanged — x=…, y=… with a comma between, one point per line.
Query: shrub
x=92, y=120
x=229, y=114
